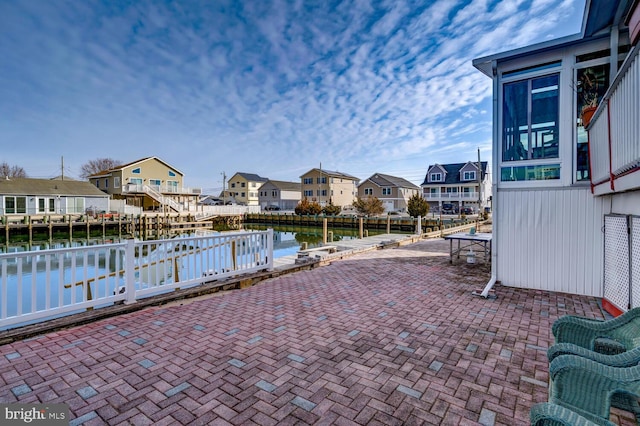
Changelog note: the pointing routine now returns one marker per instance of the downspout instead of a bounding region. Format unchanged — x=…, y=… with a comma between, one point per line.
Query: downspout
x=494, y=188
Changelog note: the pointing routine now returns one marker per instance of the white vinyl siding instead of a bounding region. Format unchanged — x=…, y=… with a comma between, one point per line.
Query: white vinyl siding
x=550, y=239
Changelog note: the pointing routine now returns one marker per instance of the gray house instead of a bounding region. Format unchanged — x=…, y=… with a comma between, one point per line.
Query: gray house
x=22, y=196
x=394, y=192
x=459, y=185
x=279, y=194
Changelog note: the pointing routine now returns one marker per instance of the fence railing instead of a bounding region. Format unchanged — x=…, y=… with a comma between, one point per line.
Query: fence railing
x=614, y=129
x=46, y=284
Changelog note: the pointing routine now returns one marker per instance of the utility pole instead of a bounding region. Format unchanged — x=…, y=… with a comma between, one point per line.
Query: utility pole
x=62, y=167
x=224, y=191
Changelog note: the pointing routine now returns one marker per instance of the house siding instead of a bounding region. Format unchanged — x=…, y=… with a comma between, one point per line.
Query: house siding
x=550, y=239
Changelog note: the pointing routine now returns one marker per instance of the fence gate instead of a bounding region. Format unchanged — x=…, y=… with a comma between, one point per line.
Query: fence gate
x=621, y=263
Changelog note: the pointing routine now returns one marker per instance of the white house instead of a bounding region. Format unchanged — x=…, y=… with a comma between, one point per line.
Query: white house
x=459, y=184
x=563, y=198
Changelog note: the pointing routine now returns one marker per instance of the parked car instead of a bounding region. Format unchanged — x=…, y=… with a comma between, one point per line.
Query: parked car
x=271, y=208
x=466, y=210
x=448, y=208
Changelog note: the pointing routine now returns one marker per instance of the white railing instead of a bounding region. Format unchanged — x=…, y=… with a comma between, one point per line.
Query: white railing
x=204, y=212
x=614, y=129
x=132, y=187
x=41, y=285
x=452, y=196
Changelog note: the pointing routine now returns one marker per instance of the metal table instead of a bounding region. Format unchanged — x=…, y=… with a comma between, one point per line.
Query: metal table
x=482, y=240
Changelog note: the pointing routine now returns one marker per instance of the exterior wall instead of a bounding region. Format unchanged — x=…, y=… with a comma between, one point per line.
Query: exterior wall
x=396, y=201
x=61, y=204
x=550, y=239
x=247, y=194
x=339, y=190
x=151, y=169
x=286, y=200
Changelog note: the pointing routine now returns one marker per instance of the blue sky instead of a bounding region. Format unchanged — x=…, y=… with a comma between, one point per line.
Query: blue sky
x=267, y=87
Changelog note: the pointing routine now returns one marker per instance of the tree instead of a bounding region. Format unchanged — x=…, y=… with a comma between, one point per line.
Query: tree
x=306, y=207
x=369, y=206
x=331, y=209
x=417, y=206
x=98, y=165
x=7, y=171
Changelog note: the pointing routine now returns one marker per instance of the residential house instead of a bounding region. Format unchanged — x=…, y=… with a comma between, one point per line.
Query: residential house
x=280, y=194
x=149, y=183
x=26, y=196
x=458, y=184
x=243, y=188
x=566, y=199
x=329, y=187
x=394, y=192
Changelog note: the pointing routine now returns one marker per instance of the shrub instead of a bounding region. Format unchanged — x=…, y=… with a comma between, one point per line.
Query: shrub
x=369, y=206
x=306, y=207
x=417, y=206
x=331, y=209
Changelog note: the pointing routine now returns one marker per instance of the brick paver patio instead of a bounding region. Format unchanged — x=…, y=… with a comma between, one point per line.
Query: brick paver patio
x=386, y=337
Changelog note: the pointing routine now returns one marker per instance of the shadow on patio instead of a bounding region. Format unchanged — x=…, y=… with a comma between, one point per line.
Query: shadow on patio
x=385, y=337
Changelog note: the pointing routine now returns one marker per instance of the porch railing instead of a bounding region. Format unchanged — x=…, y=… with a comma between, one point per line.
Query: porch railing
x=613, y=132
x=41, y=285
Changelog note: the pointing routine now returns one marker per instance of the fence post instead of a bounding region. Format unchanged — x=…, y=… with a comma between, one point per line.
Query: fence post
x=419, y=226
x=130, y=272
x=270, y=249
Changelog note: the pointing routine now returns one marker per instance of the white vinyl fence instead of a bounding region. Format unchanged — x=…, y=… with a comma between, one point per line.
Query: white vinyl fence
x=41, y=285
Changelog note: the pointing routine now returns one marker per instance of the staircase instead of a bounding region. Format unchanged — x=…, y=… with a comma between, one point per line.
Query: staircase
x=165, y=201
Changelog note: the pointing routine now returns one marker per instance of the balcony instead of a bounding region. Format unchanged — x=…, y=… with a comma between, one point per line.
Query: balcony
x=452, y=196
x=614, y=147
x=164, y=189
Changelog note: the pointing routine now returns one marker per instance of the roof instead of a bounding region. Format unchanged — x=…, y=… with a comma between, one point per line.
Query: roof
x=452, y=175
x=333, y=174
x=284, y=186
x=381, y=179
x=599, y=15
x=133, y=163
x=27, y=186
x=251, y=177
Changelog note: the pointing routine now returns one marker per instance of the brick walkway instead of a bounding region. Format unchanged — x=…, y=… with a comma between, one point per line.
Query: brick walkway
x=385, y=337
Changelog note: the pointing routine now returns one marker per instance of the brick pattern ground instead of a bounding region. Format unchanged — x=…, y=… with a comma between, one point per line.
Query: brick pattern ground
x=387, y=337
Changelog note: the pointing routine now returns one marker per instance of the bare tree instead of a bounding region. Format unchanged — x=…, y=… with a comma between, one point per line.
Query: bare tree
x=98, y=165
x=7, y=171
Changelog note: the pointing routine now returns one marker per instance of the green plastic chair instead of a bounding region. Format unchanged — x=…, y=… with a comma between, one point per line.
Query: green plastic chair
x=592, y=388
x=550, y=414
x=613, y=336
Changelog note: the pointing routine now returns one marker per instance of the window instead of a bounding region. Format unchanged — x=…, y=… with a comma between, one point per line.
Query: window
x=386, y=191
x=106, y=183
x=274, y=193
x=155, y=182
x=253, y=184
x=530, y=119
x=233, y=185
x=469, y=175
x=368, y=191
x=591, y=84
x=322, y=179
x=308, y=193
x=172, y=186
x=172, y=174
x=52, y=205
x=116, y=182
x=243, y=195
x=521, y=173
x=136, y=171
x=322, y=193
x=436, y=177
x=135, y=181
x=243, y=185
x=15, y=205
x=308, y=181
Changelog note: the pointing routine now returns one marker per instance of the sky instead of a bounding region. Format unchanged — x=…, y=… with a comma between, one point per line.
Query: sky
x=270, y=87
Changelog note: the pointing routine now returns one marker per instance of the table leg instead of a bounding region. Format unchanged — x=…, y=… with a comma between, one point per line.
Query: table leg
x=450, y=251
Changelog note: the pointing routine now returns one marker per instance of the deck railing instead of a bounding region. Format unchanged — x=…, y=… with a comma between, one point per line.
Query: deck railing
x=613, y=132
x=46, y=284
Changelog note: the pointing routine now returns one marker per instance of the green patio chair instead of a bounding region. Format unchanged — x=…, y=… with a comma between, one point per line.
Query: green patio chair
x=613, y=336
x=550, y=414
x=592, y=388
x=629, y=358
